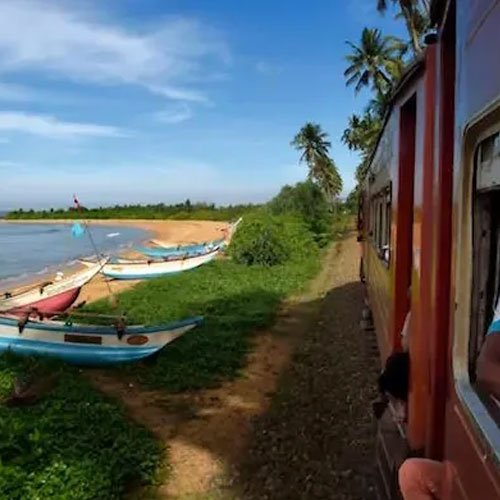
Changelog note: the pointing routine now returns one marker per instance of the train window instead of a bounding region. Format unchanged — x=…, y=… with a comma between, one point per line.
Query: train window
x=372, y=219
x=388, y=216
x=381, y=223
x=484, y=340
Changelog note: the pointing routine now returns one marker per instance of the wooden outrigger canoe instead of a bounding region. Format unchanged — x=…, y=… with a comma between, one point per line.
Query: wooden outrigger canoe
x=180, y=250
x=88, y=345
x=130, y=269
x=49, y=298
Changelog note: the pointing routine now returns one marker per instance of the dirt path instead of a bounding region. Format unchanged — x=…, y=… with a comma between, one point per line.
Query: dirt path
x=317, y=439
x=207, y=433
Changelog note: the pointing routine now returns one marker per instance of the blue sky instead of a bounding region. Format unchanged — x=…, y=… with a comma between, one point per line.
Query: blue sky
x=162, y=100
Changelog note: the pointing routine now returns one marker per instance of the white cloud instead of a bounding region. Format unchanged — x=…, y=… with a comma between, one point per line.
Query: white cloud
x=178, y=94
x=176, y=114
x=49, y=126
x=50, y=38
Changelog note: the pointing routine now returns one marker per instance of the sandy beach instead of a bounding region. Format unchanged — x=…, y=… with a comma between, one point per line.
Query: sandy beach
x=175, y=231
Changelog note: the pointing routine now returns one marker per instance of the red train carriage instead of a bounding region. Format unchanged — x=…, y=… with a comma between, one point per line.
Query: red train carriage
x=430, y=237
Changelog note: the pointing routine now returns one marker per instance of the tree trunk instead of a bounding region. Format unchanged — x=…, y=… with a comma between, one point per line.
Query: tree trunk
x=410, y=26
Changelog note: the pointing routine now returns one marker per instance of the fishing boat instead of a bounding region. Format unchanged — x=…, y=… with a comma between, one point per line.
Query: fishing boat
x=166, y=249
x=137, y=269
x=180, y=250
x=50, y=297
x=88, y=345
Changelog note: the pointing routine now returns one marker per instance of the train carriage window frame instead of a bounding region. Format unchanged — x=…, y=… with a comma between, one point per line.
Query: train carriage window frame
x=380, y=223
x=468, y=332
x=388, y=223
x=486, y=255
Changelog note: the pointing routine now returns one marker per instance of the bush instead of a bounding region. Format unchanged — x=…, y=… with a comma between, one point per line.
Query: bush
x=307, y=201
x=266, y=240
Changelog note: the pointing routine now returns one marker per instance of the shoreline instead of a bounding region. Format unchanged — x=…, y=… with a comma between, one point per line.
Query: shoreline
x=177, y=231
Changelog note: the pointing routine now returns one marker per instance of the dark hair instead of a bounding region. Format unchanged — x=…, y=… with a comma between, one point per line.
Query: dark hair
x=395, y=377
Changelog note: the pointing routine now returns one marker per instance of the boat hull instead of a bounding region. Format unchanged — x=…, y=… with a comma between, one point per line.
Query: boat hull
x=87, y=345
x=179, y=251
x=125, y=269
x=52, y=297
x=50, y=306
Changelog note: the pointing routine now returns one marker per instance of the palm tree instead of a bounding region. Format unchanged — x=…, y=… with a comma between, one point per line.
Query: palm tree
x=373, y=61
x=328, y=177
x=416, y=16
x=362, y=133
x=313, y=142
x=378, y=105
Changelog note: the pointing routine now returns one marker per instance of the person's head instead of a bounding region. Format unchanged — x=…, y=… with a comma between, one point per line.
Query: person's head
x=394, y=380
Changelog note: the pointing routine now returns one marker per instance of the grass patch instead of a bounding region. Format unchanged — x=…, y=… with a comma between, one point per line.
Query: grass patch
x=342, y=223
x=235, y=299
x=74, y=443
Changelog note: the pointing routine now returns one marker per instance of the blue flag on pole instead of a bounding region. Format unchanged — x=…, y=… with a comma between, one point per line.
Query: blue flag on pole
x=77, y=230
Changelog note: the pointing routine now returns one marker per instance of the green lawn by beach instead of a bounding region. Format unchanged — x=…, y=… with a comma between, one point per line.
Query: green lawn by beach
x=236, y=300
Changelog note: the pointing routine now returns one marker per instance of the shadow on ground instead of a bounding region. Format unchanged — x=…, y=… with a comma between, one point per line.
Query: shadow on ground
x=317, y=439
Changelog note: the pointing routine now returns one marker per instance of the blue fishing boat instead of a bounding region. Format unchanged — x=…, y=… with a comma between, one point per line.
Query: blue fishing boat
x=88, y=345
x=160, y=252
x=163, y=249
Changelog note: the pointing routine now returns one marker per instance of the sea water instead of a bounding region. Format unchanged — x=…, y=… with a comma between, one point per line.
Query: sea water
x=31, y=250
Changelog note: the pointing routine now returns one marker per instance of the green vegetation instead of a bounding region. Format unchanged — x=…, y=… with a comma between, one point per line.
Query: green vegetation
x=313, y=142
x=307, y=201
x=416, y=17
x=267, y=240
x=73, y=443
x=236, y=300
x=180, y=211
x=376, y=61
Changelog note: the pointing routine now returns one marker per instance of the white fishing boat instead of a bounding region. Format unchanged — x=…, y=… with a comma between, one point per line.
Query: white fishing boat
x=137, y=269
